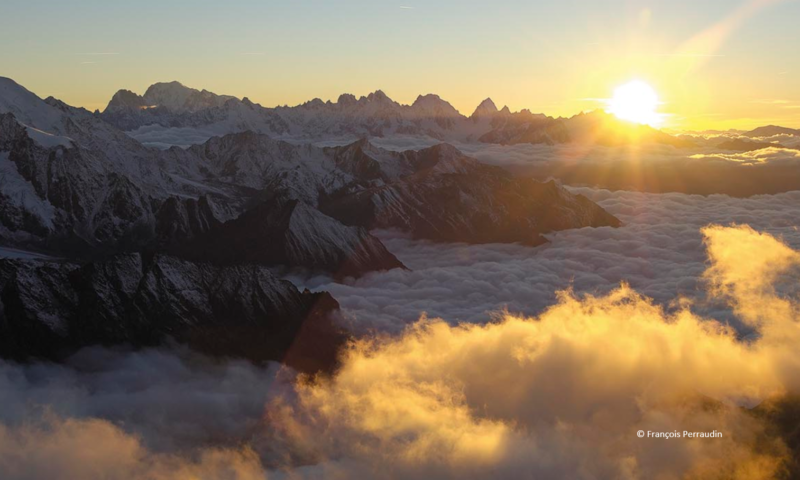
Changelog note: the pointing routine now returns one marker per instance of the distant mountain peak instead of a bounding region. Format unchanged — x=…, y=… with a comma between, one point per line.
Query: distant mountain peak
x=174, y=88
x=314, y=102
x=126, y=98
x=487, y=107
x=434, y=106
x=167, y=85
x=378, y=96
x=428, y=98
x=346, y=99
x=173, y=96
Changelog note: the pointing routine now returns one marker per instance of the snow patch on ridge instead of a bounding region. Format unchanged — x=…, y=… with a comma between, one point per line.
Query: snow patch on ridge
x=48, y=140
x=20, y=193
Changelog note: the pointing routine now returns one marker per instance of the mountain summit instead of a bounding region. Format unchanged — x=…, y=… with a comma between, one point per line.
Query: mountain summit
x=172, y=96
x=486, y=108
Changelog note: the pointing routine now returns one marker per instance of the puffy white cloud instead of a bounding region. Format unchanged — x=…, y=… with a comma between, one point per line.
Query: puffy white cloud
x=564, y=394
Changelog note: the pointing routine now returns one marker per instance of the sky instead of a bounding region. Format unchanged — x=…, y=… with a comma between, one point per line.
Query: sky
x=714, y=63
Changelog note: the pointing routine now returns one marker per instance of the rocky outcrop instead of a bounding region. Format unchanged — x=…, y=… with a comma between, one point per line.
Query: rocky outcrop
x=293, y=233
x=51, y=309
x=181, y=219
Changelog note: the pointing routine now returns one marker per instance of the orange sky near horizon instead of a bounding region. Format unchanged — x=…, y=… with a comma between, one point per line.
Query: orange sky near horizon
x=717, y=65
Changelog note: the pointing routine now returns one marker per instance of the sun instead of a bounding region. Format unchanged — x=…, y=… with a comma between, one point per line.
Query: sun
x=636, y=102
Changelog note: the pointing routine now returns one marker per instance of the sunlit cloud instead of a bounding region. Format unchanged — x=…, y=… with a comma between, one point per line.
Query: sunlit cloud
x=519, y=397
x=769, y=155
x=536, y=397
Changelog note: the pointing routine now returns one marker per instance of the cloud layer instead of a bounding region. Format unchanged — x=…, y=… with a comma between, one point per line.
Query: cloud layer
x=707, y=169
x=659, y=251
x=563, y=395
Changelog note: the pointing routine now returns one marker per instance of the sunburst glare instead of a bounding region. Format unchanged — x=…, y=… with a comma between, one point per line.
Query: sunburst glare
x=636, y=101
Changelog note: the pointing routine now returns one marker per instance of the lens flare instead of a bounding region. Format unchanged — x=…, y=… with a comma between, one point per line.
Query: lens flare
x=635, y=102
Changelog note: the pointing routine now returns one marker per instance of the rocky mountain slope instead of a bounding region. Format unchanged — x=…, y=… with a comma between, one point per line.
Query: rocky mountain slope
x=69, y=198
x=50, y=309
x=447, y=196
x=74, y=200
x=291, y=232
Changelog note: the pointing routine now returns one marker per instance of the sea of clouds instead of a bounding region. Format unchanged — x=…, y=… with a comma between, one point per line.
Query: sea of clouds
x=659, y=251
x=480, y=361
x=555, y=387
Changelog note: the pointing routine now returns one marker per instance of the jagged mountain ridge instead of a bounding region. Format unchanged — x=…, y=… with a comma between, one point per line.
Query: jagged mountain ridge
x=374, y=115
x=151, y=198
x=451, y=197
x=67, y=198
x=96, y=211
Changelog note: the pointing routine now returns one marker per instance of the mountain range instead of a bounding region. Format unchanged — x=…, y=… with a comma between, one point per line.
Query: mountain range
x=148, y=244
x=171, y=114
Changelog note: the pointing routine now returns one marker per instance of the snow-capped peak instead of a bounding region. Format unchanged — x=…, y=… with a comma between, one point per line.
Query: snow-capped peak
x=173, y=96
x=28, y=108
